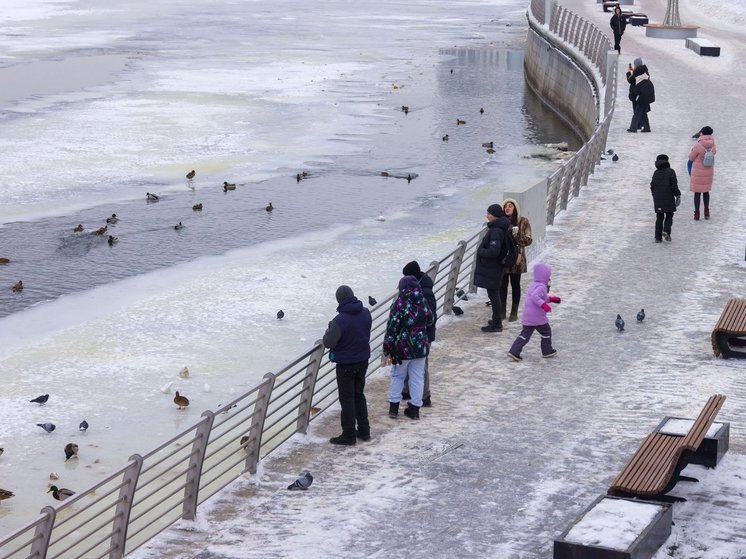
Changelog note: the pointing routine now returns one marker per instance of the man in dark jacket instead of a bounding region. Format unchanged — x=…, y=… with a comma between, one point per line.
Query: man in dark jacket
x=644, y=96
x=348, y=338
x=618, y=24
x=666, y=196
x=426, y=285
x=489, y=268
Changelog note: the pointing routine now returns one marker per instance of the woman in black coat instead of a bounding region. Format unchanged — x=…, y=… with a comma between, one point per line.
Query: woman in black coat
x=618, y=23
x=666, y=196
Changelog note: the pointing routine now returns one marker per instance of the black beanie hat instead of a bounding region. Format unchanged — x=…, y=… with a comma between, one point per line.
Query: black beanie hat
x=412, y=269
x=662, y=157
x=343, y=292
x=706, y=130
x=495, y=210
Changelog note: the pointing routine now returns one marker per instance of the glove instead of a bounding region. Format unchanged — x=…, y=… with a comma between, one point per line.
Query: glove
x=554, y=299
x=546, y=307
x=677, y=201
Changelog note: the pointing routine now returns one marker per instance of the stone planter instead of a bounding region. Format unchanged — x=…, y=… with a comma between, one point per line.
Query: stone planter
x=616, y=528
x=714, y=445
x=660, y=31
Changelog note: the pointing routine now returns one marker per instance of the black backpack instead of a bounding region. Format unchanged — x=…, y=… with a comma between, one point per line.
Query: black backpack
x=509, y=252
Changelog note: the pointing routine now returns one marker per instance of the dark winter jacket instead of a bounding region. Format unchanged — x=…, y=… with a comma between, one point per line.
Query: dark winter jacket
x=644, y=91
x=426, y=285
x=618, y=24
x=632, y=77
x=348, y=334
x=489, y=271
x=406, y=331
x=664, y=187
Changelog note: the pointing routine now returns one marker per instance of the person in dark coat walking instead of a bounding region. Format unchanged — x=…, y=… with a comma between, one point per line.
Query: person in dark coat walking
x=489, y=270
x=426, y=285
x=618, y=23
x=666, y=196
x=348, y=338
x=637, y=68
x=644, y=93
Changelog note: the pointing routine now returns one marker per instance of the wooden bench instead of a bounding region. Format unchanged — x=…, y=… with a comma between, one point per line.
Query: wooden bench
x=656, y=467
x=729, y=333
x=703, y=47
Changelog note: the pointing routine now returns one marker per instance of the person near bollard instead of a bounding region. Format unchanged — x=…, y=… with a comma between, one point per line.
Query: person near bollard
x=702, y=156
x=348, y=339
x=521, y=231
x=637, y=68
x=426, y=284
x=666, y=197
x=488, y=272
x=535, y=311
x=618, y=24
x=406, y=345
x=644, y=96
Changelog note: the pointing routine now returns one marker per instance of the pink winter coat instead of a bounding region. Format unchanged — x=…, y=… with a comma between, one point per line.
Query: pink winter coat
x=536, y=296
x=701, y=179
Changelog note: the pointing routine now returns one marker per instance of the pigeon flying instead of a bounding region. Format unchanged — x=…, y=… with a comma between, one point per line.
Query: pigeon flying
x=641, y=315
x=48, y=427
x=619, y=323
x=40, y=399
x=371, y=301
x=302, y=483
x=83, y=426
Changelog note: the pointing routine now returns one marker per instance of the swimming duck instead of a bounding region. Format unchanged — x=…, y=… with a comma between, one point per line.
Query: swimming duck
x=298, y=177
x=18, y=287
x=181, y=401
x=184, y=373
x=112, y=239
x=78, y=228
x=5, y=494
x=113, y=219
x=228, y=186
x=60, y=494
x=459, y=121
x=488, y=145
x=178, y=226
x=445, y=138
x=269, y=207
x=409, y=178
x=4, y=260
x=405, y=109
x=197, y=207
x=151, y=197
x=490, y=151
x=71, y=451
x=304, y=174
x=101, y=230
x=190, y=174
x=380, y=217
x=384, y=174
x=481, y=110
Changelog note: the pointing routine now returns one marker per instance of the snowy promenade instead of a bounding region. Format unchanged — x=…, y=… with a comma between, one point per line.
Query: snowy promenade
x=510, y=453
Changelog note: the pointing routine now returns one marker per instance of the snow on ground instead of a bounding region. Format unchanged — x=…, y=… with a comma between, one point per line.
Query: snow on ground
x=510, y=454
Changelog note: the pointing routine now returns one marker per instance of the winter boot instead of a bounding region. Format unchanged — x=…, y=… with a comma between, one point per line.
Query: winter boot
x=393, y=410
x=503, y=312
x=427, y=402
x=707, y=213
x=696, y=215
x=343, y=440
x=412, y=412
x=513, y=313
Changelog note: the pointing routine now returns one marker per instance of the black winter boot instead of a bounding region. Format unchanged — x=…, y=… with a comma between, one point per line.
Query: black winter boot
x=412, y=412
x=393, y=410
x=513, y=313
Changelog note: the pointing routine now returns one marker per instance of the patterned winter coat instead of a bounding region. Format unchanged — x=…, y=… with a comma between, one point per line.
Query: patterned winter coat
x=536, y=295
x=701, y=180
x=406, y=332
x=522, y=238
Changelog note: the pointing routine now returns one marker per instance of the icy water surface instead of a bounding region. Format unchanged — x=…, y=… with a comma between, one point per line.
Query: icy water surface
x=102, y=103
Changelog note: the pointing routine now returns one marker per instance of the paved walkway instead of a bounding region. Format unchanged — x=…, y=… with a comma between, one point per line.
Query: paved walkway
x=512, y=452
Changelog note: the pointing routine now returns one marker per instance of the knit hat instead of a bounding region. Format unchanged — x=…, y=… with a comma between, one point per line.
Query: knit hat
x=343, y=292
x=637, y=62
x=662, y=157
x=495, y=210
x=706, y=130
x=412, y=269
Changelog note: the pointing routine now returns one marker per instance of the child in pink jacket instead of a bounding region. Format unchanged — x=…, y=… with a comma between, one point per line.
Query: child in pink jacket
x=535, y=311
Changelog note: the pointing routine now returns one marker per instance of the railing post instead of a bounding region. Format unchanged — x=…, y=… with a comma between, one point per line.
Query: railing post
x=548, y=9
x=254, y=444
x=196, y=459
x=432, y=271
x=458, y=258
x=124, y=506
x=309, y=383
x=43, y=532
x=612, y=59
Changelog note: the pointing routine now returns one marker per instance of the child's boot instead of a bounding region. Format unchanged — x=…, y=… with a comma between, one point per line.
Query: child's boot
x=707, y=213
x=696, y=215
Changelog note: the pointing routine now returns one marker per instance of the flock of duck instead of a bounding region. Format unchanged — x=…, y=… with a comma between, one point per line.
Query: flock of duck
x=149, y=198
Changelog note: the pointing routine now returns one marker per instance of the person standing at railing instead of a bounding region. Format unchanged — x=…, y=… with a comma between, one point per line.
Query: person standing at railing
x=406, y=345
x=637, y=68
x=644, y=96
x=426, y=284
x=489, y=271
x=618, y=24
x=521, y=231
x=348, y=339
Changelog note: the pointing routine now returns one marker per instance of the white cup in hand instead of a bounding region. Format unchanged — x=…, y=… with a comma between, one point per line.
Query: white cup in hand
x=515, y=230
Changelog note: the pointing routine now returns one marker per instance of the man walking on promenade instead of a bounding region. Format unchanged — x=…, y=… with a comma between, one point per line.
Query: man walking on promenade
x=348, y=338
x=489, y=269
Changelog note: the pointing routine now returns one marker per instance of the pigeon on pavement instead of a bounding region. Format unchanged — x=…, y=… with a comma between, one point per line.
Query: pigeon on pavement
x=302, y=483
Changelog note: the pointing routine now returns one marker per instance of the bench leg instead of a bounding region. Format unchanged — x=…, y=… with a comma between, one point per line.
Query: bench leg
x=688, y=478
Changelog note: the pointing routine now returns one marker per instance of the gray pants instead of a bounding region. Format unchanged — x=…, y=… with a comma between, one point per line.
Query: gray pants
x=546, y=339
x=426, y=390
